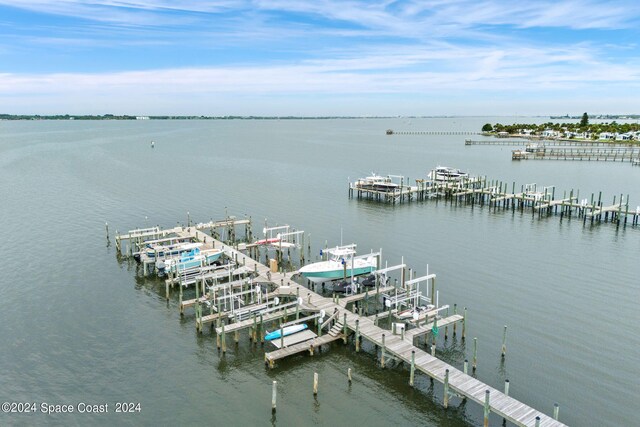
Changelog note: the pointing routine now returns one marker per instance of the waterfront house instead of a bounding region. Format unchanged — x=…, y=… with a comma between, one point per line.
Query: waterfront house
x=607, y=135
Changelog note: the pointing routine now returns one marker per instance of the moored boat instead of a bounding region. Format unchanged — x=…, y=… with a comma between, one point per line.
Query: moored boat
x=190, y=259
x=342, y=263
x=377, y=183
x=415, y=311
x=288, y=330
x=166, y=251
x=445, y=173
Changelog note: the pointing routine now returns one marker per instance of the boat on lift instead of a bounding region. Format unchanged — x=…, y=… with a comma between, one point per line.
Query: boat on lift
x=447, y=174
x=189, y=259
x=342, y=262
x=377, y=183
x=414, y=312
x=166, y=250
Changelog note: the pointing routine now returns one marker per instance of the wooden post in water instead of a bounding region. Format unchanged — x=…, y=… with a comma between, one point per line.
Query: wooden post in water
x=506, y=387
x=382, y=353
x=224, y=344
x=349, y=375
x=315, y=383
x=274, y=395
x=504, y=341
x=344, y=327
x=254, y=331
x=537, y=421
x=357, y=335
x=556, y=410
x=446, y=327
x=455, y=311
x=413, y=367
x=487, y=408
x=475, y=353
x=433, y=291
x=261, y=330
x=464, y=324
x=446, y=389
x=465, y=366
x=434, y=330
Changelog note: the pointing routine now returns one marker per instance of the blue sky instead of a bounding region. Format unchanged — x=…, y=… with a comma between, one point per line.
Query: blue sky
x=319, y=57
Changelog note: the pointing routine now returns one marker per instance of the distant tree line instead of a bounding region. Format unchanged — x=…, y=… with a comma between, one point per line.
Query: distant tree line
x=536, y=129
x=128, y=117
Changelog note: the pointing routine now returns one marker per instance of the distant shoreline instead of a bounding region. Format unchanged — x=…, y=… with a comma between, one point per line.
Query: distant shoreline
x=237, y=117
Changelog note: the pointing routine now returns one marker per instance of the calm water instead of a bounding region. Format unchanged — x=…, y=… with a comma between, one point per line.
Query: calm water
x=80, y=326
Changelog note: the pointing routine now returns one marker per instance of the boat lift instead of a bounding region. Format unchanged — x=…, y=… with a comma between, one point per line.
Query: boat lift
x=545, y=193
x=411, y=296
x=231, y=301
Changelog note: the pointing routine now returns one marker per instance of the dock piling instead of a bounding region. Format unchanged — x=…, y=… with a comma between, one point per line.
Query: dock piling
x=504, y=341
x=315, y=383
x=274, y=395
x=382, y=352
x=464, y=324
x=446, y=389
x=487, y=408
x=475, y=353
x=413, y=367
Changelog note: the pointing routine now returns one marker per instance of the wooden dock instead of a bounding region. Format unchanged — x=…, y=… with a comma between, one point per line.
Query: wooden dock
x=431, y=132
x=609, y=154
x=495, y=194
x=401, y=347
x=552, y=142
x=341, y=323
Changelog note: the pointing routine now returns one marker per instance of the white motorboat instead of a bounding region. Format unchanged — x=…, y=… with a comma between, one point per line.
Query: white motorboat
x=342, y=262
x=445, y=173
x=377, y=183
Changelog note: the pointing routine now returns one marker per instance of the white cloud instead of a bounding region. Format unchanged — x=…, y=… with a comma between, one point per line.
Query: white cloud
x=351, y=48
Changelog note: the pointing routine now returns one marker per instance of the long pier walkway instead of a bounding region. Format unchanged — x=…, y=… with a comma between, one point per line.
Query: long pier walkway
x=402, y=348
x=551, y=142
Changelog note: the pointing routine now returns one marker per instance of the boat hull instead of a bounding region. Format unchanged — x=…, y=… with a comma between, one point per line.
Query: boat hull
x=289, y=330
x=329, y=275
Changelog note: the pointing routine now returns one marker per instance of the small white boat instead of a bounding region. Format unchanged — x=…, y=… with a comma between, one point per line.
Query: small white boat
x=342, y=263
x=445, y=173
x=415, y=311
x=377, y=183
x=191, y=259
x=271, y=241
x=165, y=251
x=289, y=330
